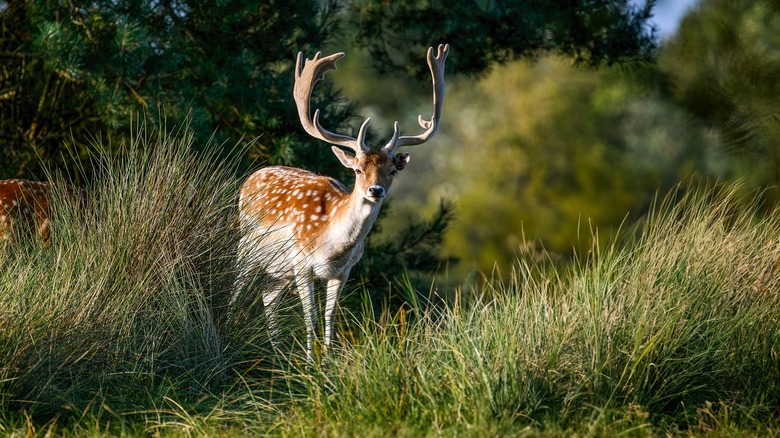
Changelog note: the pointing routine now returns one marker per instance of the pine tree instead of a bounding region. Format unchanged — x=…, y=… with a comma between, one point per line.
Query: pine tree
x=74, y=69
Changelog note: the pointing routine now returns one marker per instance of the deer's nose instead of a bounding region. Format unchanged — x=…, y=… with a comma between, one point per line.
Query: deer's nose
x=376, y=191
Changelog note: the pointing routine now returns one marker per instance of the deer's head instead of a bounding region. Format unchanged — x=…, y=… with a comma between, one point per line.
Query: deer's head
x=374, y=169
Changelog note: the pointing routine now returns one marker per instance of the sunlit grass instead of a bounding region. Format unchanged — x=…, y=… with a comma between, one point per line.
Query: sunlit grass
x=121, y=327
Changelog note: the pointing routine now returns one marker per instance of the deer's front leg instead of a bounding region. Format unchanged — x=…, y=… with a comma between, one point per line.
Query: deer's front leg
x=332, y=304
x=305, y=286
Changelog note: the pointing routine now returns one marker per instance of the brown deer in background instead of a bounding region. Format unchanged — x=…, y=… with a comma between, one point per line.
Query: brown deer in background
x=299, y=226
x=24, y=206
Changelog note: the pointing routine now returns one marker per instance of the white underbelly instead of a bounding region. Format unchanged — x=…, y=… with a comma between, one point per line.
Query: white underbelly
x=276, y=251
x=273, y=249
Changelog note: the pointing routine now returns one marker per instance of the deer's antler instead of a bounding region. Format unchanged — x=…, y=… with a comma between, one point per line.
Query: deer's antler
x=308, y=72
x=436, y=65
x=306, y=76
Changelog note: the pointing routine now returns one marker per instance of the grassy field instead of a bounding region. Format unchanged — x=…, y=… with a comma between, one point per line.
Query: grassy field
x=121, y=327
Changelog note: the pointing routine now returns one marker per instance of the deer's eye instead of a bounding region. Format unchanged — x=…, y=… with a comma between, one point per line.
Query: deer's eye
x=393, y=172
x=358, y=171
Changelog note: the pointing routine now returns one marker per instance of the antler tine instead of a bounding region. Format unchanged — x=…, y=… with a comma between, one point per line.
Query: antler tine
x=307, y=73
x=436, y=65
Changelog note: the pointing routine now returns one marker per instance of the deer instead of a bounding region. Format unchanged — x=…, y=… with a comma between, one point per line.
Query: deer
x=299, y=226
x=24, y=206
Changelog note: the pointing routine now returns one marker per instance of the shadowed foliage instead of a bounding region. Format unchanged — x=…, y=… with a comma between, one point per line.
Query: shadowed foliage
x=75, y=69
x=489, y=32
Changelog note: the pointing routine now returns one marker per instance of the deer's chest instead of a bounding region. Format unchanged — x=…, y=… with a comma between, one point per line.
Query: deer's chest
x=334, y=261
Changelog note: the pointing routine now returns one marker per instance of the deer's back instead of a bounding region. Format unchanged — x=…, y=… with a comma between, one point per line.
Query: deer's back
x=285, y=197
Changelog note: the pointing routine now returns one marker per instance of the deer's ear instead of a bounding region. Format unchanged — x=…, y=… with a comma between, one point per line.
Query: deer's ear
x=400, y=160
x=346, y=159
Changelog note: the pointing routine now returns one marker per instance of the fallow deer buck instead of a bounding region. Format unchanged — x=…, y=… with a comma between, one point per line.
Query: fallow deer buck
x=299, y=226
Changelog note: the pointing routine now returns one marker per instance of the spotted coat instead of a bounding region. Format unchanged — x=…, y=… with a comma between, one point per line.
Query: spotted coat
x=277, y=196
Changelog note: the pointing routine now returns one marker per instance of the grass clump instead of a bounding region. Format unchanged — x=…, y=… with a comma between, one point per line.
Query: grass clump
x=125, y=305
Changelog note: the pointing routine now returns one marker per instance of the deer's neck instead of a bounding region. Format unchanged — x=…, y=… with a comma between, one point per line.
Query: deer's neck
x=353, y=220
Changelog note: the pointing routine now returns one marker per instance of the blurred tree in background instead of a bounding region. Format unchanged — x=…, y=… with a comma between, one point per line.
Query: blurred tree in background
x=540, y=154
x=71, y=69
x=562, y=152
x=724, y=66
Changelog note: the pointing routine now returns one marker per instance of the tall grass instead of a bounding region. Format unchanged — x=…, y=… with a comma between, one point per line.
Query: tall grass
x=128, y=298
x=121, y=326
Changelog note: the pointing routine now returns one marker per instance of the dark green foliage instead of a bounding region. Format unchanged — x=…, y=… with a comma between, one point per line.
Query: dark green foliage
x=484, y=33
x=72, y=70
